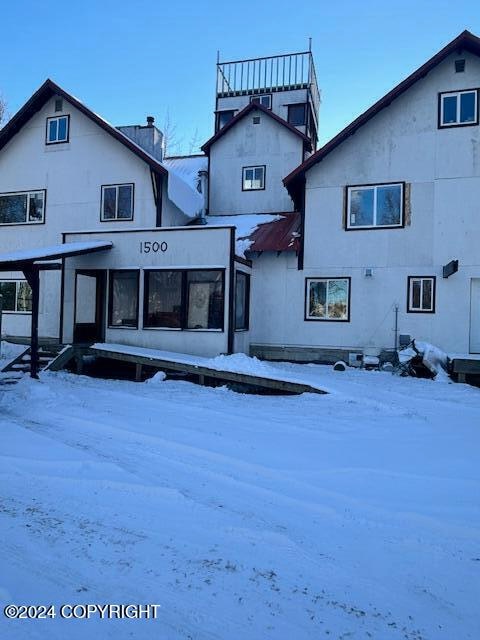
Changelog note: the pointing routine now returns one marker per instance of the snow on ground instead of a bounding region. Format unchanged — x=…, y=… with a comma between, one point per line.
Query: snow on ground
x=348, y=515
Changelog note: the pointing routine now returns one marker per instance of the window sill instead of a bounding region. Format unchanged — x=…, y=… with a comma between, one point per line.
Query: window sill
x=456, y=125
x=327, y=319
x=376, y=228
x=122, y=327
x=20, y=224
x=16, y=313
x=430, y=311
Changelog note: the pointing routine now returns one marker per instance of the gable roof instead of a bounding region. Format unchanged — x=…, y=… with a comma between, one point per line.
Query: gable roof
x=465, y=41
x=254, y=106
x=50, y=89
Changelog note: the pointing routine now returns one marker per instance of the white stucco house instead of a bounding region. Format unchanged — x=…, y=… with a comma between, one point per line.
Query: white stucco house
x=262, y=244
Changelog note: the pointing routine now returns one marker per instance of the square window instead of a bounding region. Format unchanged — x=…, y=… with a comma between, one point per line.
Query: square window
x=57, y=129
x=327, y=299
x=458, y=108
x=117, y=202
x=375, y=206
x=421, y=294
x=123, y=299
x=265, y=100
x=253, y=178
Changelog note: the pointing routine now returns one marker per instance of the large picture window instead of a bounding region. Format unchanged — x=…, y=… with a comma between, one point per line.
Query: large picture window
x=117, y=202
x=184, y=299
x=421, y=294
x=327, y=299
x=123, y=299
x=374, y=206
x=242, y=296
x=23, y=207
x=458, y=108
x=16, y=296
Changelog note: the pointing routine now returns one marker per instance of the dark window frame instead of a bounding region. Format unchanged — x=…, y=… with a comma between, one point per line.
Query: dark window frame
x=367, y=186
x=256, y=166
x=476, y=90
x=434, y=294
x=258, y=96
x=184, y=299
x=111, y=273
x=13, y=193
x=306, y=316
x=218, y=114
x=47, y=141
x=305, y=117
x=17, y=282
x=117, y=185
x=246, y=314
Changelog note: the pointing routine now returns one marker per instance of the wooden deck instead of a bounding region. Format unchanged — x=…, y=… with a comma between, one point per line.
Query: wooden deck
x=465, y=365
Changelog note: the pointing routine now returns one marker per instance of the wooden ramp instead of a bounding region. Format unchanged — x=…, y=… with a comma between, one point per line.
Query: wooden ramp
x=205, y=369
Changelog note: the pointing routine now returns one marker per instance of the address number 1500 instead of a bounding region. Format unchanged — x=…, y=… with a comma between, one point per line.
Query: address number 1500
x=153, y=247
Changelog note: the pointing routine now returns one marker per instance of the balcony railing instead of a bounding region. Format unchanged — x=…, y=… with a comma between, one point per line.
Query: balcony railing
x=273, y=73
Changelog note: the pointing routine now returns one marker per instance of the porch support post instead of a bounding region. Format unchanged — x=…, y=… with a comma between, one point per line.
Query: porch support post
x=32, y=276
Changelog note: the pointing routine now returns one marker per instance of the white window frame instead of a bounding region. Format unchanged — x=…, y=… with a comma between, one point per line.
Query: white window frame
x=308, y=315
x=458, y=123
x=67, y=130
x=117, y=187
x=244, y=179
x=375, y=187
x=261, y=96
x=17, y=288
x=28, y=194
x=421, y=309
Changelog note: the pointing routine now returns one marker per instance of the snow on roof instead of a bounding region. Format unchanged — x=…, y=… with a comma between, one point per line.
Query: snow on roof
x=245, y=224
x=54, y=251
x=183, y=182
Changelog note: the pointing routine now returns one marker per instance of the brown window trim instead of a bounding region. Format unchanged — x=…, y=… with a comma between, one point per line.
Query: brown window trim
x=375, y=227
x=63, y=115
x=255, y=166
x=460, y=124
x=306, y=301
x=110, y=299
x=434, y=294
x=117, y=184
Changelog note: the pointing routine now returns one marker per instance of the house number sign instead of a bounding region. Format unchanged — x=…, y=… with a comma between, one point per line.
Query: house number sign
x=153, y=247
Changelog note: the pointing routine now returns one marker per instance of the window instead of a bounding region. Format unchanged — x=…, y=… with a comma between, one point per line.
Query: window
x=253, y=178
x=16, y=296
x=297, y=114
x=123, y=299
x=181, y=299
x=58, y=129
x=458, y=108
x=242, y=302
x=421, y=294
x=375, y=206
x=265, y=100
x=24, y=207
x=223, y=117
x=460, y=65
x=327, y=299
x=117, y=202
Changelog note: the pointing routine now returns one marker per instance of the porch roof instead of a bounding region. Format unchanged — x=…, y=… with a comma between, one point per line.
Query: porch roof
x=18, y=260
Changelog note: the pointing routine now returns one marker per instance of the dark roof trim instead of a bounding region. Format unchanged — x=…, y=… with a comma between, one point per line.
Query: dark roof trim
x=254, y=106
x=466, y=40
x=50, y=89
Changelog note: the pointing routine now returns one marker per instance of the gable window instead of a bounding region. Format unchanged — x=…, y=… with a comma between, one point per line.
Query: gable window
x=184, y=299
x=421, y=294
x=16, y=296
x=223, y=117
x=374, y=206
x=242, y=295
x=123, y=299
x=253, y=178
x=297, y=114
x=24, y=207
x=57, y=129
x=458, y=108
x=265, y=100
x=117, y=202
x=327, y=299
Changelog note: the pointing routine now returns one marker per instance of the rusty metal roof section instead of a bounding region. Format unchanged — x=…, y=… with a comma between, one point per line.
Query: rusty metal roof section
x=279, y=235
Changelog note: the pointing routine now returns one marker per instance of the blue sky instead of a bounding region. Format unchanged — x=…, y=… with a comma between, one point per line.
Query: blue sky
x=127, y=60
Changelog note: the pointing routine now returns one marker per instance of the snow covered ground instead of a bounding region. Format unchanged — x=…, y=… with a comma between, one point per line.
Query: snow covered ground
x=349, y=515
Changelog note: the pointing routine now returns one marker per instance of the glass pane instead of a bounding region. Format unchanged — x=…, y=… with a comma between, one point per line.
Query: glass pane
x=296, y=114
x=427, y=295
x=62, y=129
x=257, y=182
x=13, y=208
x=109, y=203
x=361, y=207
x=224, y=117
x=467, y=107
x=241, y=301
x=205, y=300
x=86, y=295
x=317, y=307
x=52, y=130
x=416, y=288
x=7, y=290
x=449, y=109
x=337, y=299
x=24, y=297
x=125, y=202
x=164, y=302
x=389, y=204
x=35, y=207
x=124, y=298
x=265, y=101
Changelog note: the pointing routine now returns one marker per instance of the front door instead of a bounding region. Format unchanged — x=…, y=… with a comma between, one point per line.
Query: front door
x=90, y=289
x=475, y=316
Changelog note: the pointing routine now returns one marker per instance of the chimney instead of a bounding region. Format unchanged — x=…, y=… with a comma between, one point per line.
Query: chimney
x=146, y=136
